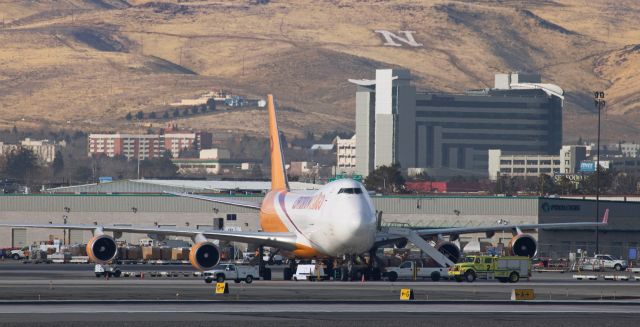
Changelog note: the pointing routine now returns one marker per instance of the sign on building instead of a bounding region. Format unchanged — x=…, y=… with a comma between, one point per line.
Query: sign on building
x=587, y=167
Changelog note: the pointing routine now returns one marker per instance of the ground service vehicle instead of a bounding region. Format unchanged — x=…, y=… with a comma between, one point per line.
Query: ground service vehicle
x=19, y=254
x=411, y=269
x=610, y=262
x=106, y=271
x=229, y=271
x=504, y=269
x=310, y=273
x=337, y=221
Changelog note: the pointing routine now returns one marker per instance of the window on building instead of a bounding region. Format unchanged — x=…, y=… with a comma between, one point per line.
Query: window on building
x=518, y=162
x=545, y=170
x=505, y=162
x=567, y=162
x=545, y=162
x=532, y=170
x=532, y=162
x=232, y=216
x=556, y=170
x=518, y=170
x=556, y=162
x=505, y=170
x=566, y=170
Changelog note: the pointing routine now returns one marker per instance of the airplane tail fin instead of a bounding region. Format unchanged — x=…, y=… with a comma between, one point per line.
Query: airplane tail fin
x=278, y=174
x=605, y=218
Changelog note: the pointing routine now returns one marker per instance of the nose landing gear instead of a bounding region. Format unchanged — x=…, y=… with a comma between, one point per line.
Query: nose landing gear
x=354, y=268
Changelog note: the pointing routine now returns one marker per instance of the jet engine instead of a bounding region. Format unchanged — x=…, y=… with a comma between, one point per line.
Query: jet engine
x=523, y=245
x=450, y=250
x=102, y=249
x=204, y=255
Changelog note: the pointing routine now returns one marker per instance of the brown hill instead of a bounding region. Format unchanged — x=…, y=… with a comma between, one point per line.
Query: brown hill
x=85, y=64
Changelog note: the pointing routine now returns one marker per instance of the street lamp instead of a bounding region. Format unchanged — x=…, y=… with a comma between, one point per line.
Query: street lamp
x=599, y=103
x=502, y=222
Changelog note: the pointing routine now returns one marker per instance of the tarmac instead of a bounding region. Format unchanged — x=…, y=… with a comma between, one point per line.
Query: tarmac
x=56, y=294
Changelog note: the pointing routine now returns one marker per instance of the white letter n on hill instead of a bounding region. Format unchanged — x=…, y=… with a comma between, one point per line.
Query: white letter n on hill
x=408, y=38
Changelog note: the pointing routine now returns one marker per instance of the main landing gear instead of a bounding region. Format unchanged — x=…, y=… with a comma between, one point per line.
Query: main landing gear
x=265, y=272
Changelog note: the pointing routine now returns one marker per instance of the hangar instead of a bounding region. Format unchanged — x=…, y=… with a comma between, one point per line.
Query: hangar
x=136, y=203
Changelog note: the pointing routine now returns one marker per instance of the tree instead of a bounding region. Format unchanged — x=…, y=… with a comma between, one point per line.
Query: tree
x=195, y=109
x=203, y=108
x=139, y=115
x=386, y=179
x=165, y=115
x=176, y=113
x=152, y=115
x=211, y=104
x=129, y=116
x=21, y=164
x=14, y=130
x=565, y=185
x=624, y=183
x=58, y=163
x=546, y=185
x=185, y=112
x=159, y=168
x=82, y=174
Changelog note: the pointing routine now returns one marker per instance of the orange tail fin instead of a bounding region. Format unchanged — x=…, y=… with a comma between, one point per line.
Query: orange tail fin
x=278, y=174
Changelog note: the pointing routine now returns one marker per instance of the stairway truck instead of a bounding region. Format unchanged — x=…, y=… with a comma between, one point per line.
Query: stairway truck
x=413, y=270
x=504, y=269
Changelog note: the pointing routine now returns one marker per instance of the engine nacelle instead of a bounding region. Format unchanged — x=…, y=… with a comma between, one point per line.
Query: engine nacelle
x=450, y=250
x=523, y=245
x=204, y=255
x=102, y=249
x=400, y=244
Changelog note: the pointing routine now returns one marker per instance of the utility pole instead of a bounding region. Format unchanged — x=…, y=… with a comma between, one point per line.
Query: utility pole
x=599, y=102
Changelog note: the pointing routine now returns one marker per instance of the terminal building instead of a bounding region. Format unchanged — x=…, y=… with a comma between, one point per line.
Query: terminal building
x=447, y=134
x=143, y=203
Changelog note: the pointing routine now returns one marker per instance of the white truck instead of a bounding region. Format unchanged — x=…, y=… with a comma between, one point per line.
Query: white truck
x=310, y=273
x=406, y=271
x=230, y=271
x=610, y=262
x=106, y=271
x=19, y=254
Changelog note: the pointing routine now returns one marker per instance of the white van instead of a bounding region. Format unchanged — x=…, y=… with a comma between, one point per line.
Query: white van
x=310, y=273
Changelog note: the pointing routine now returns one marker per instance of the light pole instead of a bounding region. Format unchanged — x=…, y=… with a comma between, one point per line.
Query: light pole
x=599, y=102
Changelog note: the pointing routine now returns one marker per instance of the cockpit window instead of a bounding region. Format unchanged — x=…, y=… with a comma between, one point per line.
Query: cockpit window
x=355, y=190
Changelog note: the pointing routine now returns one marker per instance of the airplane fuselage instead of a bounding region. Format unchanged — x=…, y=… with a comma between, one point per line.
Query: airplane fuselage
x=337, y=219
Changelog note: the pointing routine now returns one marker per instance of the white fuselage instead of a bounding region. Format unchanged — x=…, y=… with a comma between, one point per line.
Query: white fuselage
x=336, y=220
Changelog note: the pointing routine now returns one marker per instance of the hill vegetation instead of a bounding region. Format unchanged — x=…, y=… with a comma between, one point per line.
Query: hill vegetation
x=85, y=64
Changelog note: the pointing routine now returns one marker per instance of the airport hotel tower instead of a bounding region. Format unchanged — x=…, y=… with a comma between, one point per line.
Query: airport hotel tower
x=446, y=134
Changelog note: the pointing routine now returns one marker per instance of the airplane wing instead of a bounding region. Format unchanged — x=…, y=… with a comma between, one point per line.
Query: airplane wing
x=284, y=241
x=394, y=233
x=237, y=203
x=498, y=228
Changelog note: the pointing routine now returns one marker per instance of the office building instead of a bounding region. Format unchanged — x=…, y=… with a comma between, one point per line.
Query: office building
x=450, y=134
x=566, y=162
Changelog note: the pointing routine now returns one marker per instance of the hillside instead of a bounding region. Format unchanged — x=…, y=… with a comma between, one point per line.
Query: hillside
x=86, y=64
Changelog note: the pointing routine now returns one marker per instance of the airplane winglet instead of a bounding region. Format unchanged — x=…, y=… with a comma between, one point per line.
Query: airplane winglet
x=605, y=218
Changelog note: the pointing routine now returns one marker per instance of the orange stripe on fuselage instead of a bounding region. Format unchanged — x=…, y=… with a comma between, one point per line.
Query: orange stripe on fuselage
x=270, y=221
x=306, y=252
